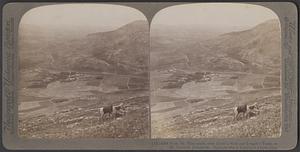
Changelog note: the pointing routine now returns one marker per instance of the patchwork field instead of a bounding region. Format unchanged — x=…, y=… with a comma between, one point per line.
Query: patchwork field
x=68, y=107
x=204, y=109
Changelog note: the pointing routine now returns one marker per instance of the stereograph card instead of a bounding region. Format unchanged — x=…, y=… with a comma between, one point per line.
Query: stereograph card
x=150, y=76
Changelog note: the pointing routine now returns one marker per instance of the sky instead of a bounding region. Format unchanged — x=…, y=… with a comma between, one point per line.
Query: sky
x=105, y=17
x=81, y=16
x=214, y=15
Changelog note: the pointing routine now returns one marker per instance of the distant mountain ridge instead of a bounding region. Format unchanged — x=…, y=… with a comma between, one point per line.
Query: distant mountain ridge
x=255, y=50
x=126, y=50
x=123, y=50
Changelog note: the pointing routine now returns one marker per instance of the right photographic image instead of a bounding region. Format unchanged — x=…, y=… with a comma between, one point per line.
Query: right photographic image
x=215, y=72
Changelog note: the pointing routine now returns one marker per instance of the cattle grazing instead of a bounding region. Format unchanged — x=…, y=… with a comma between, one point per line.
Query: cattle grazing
x=246, y=110
x=111, y=110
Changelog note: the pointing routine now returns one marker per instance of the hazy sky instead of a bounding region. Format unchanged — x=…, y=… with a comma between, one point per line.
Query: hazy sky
x=82, y=15
x=97, y=16
x=214, y=15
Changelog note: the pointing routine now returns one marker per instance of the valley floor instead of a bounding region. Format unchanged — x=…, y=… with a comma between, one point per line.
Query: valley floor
x=69, y=108
x=204, y=109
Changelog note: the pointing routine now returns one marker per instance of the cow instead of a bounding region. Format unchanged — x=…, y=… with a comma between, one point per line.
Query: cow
x=112, y=110
x=246, y=110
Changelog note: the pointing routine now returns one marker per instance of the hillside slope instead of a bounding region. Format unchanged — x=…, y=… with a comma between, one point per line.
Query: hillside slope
x=256, y=50
x=124, y=50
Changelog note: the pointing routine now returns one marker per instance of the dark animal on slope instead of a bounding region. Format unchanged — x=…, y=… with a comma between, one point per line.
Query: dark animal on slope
x=111, y=110
x=246, y=110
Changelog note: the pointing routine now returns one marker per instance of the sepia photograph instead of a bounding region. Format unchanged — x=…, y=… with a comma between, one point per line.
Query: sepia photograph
x=149, y=76
x=83, y=72
x=215, y=72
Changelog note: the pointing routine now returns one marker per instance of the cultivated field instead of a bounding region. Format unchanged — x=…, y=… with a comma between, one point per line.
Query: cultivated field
x=68, y=106
x=204, y=109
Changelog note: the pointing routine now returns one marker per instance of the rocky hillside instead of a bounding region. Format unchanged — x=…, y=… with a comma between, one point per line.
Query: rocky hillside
x=255, y=50
x=124, y=50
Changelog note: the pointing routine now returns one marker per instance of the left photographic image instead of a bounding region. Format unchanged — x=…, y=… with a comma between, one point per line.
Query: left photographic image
x=83, y=72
